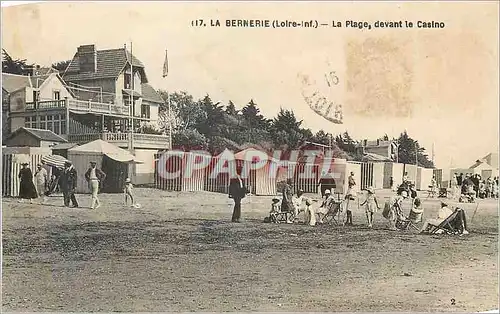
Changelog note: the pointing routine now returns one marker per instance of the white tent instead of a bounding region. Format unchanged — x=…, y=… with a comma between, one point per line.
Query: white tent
x=116, y=166
x=104, y=148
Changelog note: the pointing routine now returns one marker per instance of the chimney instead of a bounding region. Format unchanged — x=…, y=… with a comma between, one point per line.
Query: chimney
x=87, y=56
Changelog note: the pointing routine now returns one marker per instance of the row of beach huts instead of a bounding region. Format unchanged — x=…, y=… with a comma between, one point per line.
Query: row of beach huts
x=120, y=164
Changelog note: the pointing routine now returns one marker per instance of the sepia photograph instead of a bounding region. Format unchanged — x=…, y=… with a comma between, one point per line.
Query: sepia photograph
x=252, y=156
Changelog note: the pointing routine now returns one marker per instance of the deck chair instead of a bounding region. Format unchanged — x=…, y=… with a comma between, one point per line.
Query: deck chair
x=453, y=224
x=410, y=222
x=443, y=192
x=279, y=213
x=333, y=215
x=431, y=192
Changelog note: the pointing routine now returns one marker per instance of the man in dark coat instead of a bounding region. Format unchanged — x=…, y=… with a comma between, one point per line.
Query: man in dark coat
x=68, y=181
x=237, y=192
x=27, y=189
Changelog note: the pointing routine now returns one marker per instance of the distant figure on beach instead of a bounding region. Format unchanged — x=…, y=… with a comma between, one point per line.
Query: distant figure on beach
x=237, y=192
x=68, y=181
x=27, y=188
x=94, y=177
x=41, y=180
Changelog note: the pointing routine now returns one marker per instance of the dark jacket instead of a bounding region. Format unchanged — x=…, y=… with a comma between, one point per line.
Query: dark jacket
x=236, y=190
x=68, y=179
x=98, y=172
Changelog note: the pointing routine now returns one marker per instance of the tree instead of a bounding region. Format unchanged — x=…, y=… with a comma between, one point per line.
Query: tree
x=189, y=140
x=231, y=109
x=409, y=152
x=15, y=66
x=186, y=113
x=286, y=130
x=61, y=66
x=255, y=125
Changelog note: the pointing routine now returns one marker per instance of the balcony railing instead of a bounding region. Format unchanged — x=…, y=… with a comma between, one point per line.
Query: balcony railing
x=140, y=140
x=46, y=104
x=97, y=107
x=80, y=105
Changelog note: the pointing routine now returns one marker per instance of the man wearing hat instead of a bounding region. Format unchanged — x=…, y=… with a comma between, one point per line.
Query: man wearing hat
x=444, y=212
x=237, y=192
x=41, y=180
x=68, y=182
x=351, y=183
x=94, y=177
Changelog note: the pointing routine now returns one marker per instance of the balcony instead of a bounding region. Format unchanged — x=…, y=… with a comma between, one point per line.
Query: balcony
x=82, y=106
x=139, y=140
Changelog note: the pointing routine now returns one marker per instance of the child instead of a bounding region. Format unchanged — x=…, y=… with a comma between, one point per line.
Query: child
x=127, y=191
x=371, y=204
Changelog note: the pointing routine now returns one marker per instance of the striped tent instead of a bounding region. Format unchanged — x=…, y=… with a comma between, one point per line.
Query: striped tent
x=54, y=161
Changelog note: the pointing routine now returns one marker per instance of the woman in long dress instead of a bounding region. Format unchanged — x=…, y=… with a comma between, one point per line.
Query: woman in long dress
x=27, y=188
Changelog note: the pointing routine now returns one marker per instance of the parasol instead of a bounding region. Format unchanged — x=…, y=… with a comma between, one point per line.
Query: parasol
x=54, y=161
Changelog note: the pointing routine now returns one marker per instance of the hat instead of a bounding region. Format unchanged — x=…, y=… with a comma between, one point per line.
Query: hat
x=127, y=180
x=443, y=204
x=24, y=163
x=328, y=192
x=67, y=163
x=370, y=190
x=93, y=163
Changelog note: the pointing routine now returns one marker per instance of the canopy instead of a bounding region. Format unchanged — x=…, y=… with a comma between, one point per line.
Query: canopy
x=54, y=161
x=249, y=154
x=105, y=148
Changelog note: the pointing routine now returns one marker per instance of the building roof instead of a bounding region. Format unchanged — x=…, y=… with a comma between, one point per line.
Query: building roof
x=44, y=71
x=375, y=157
x=13, y=82
x=37, y=81
x=63, y=146
x=150, y=94
x=42, y=135
x=110, y=63
x=488, y=161
x=491, y=159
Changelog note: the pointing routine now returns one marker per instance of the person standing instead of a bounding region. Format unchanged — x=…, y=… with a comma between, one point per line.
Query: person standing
x=460, y=179
x=237, y=192
x=68, y=183
x=287, y=202
x=350, y=197
x=371, y=204
x=27, y=188
x=94, y=177
x=41, y=181
x=393, y=210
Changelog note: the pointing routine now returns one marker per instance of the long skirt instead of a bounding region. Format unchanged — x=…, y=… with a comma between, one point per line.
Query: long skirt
x=27, y=190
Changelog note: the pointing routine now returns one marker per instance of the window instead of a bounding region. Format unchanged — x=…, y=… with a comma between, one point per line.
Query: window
x=126, y=81
x=63, y=126
x=43, y=122
x=35, y=95
x=30, y=122
x=145, y=111
x=57, y=95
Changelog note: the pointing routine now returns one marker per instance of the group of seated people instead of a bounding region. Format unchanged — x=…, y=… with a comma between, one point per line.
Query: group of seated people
x=316, y=211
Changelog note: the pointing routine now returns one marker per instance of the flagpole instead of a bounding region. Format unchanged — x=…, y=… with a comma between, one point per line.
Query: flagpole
x=131, y=127
x=165, y=74
x=169, y=122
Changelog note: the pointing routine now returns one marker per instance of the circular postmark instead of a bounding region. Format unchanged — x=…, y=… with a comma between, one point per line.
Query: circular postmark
x=319, y=101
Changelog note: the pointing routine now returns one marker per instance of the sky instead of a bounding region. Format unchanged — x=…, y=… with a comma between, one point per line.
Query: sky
x=441, y=85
